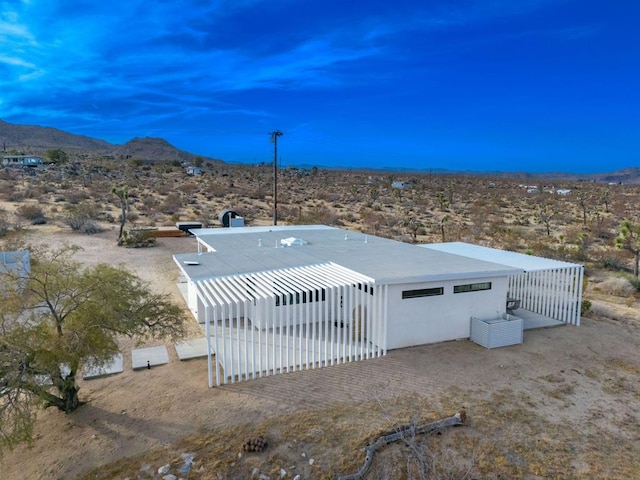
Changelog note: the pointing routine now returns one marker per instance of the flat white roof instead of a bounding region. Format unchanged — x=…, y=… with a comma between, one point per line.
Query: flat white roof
x=528, y=263
x=255, y=249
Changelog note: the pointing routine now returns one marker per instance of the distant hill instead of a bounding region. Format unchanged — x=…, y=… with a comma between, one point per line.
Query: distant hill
x=33, y=139
x=148, y=148
x=629, y=175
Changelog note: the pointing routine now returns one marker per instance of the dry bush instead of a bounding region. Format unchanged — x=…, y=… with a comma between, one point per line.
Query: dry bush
x=4, y=223
x=618, y=286
x=82, y=218
x=171, y=204
x=15, y=195
x=613, y=261
x=30, y=212
x=320, y=214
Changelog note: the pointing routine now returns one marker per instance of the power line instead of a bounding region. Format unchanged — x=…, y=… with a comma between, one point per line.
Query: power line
x=274, y=139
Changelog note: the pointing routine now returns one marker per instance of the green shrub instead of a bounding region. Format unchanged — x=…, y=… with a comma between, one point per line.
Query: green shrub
x=138, y=238
x=634, y=281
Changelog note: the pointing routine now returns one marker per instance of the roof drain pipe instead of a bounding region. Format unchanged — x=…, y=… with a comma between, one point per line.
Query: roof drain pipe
x=455, y=420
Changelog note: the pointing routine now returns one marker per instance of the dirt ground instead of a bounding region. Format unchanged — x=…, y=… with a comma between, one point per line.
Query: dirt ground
x=565, y=404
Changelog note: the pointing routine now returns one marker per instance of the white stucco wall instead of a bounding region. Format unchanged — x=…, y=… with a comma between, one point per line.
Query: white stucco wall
x=417, y=321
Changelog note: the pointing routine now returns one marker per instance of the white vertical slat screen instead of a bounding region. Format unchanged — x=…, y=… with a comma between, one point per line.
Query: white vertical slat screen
x=554, y=293
x=290, y=319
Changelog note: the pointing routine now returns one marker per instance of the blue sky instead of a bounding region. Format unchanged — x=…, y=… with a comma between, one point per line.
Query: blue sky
x=532, y=85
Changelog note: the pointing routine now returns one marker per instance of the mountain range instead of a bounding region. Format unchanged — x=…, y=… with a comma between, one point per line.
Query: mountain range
x=32, y=139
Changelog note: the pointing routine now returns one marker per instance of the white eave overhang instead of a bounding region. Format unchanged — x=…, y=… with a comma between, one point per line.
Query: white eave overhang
x=528, y=263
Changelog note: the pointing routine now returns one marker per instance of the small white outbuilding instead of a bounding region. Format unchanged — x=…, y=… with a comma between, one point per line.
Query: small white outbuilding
x=333, y=296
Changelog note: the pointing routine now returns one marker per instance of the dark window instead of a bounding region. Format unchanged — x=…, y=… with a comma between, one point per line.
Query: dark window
x=423, y=292
x=472, y=287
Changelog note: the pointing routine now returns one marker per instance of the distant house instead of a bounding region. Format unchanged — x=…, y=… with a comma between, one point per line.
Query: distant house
x=22, y=161
x=191, y=170
x=400, y=185
x=563, y=191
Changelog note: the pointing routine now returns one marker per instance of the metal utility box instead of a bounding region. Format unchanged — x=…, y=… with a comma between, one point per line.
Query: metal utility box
x=497, y=332
x=226, y=216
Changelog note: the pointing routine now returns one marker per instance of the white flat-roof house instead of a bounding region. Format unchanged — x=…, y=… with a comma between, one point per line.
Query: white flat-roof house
x=282, y=298
x=22, y=160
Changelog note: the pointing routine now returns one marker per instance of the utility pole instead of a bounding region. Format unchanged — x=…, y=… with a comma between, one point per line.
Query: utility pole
x=274, y=139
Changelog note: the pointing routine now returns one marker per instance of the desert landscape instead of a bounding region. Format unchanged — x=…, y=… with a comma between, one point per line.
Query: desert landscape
x=564, y=404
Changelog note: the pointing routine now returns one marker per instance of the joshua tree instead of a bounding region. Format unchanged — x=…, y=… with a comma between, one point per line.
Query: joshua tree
x=123, y=195
x=629, y=239
x=583, y=202
x=545, y=214
x=413, y=225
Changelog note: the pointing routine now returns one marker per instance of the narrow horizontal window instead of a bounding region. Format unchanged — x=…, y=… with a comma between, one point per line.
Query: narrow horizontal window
x=472, y=287
x=423, y=292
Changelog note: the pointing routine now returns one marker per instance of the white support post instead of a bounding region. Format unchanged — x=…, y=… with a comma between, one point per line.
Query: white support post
x=216, y=312
x=263, y=305
x=579, y=299
x=245, y=315
x=207, y=334
x=545, y=292
x=370, y=315
x=311, y=325
x=385, y=310
x=254, y=313
x=557, y=285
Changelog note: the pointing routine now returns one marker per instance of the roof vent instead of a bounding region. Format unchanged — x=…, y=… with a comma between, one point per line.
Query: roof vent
x=292, y=242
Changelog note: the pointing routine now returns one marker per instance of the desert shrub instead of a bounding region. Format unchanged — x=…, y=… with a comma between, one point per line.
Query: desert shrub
x=76, y=197
x=4, y=224
x=83, y=225
x=81, y=218
x=48, y=188
x=634, y=282
x=106, y=217
x=172, y=203
x=132, y=217
x=149, y=203
x=320, y=214
x=350, y=217
x=618, y=286
x=586, y=306
x=138, y=238
x=613, y=262
x=30, y=212
x=90, y=227
x=16, y=196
